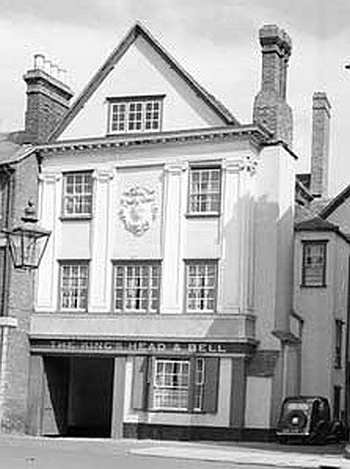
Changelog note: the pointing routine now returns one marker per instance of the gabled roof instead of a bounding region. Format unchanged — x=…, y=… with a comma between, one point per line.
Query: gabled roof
x=115, y=57
x=334, y=203
x=317, y=224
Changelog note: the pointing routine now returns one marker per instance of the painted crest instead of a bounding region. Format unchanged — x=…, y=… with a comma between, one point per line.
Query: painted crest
x=138, y=209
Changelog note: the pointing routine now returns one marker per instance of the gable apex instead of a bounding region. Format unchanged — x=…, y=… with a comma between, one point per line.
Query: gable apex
x=138, y=30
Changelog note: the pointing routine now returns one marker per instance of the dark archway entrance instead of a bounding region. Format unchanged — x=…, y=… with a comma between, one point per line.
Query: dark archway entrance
x=78, y=396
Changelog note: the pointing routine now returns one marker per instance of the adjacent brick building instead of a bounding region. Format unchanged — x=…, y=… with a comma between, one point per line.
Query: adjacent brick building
x=48, y=98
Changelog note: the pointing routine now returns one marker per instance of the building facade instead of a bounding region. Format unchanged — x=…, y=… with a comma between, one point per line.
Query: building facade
x=177, y=297
x=167, y=282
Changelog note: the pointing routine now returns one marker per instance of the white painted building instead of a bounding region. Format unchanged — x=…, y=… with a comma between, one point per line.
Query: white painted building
x=164, y=300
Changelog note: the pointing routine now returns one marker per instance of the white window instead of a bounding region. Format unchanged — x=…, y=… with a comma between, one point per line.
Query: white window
x=137, y=287
x=142, y=114
x=171, y=384
x=74, y=286
x=77, y=194
x=201, y=286
x=204, y=191
x=314, y=263
x=187, y=384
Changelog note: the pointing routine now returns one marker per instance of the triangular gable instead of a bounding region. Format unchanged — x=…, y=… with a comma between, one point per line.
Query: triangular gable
x=224, y=116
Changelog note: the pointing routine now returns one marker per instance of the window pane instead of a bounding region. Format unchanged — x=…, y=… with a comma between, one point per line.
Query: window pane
x=314, y=264
x=136, y=287
x=201, y=286
x=74, y=286
x=204, y=190
x=171, y=384
x=135, y=116
x=77, y=196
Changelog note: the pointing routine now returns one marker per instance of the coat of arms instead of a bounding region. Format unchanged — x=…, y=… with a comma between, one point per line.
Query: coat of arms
x=138, y=209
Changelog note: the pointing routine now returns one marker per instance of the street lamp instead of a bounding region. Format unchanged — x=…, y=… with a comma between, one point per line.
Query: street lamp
x=28, y=241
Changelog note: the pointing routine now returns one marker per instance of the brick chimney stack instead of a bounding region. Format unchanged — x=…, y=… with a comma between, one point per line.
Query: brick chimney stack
x=47, y=99
x=271, y=109
x=321, y=114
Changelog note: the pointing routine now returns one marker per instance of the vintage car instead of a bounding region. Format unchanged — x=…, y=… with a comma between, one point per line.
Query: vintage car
x=307, y=419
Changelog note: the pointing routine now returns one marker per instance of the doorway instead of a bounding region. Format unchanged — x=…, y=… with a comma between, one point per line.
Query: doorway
x=78, y=396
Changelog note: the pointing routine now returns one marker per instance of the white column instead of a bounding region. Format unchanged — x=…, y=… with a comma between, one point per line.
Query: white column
x=49, y=211
x=229, y=275
x=237, y=238
x=118, y=398
x=172, y=267
x=100, y=272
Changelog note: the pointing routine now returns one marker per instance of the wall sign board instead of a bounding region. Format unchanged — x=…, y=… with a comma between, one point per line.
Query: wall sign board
x=126, y=347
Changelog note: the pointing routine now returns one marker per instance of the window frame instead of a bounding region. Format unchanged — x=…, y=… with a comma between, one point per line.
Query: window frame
x=143, y=378
x=77, y=216
x=304, y=280
x=201, y=262
x=124, y=264
x=192, y=194
x=68, y=263
x=128, y=102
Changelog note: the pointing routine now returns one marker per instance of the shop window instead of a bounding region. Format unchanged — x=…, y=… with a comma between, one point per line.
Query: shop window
x=137, y=287
x=135, y=114
x=176, y=384
x=314, y=263
x=74, y=278
x=204, y=191
x=201, y=286
x=338, y=343
x=77, y=195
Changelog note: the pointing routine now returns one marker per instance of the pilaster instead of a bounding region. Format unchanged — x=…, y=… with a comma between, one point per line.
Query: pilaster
x=50, y=206
x=172, y=269
x=100, y=265
x=118, y=398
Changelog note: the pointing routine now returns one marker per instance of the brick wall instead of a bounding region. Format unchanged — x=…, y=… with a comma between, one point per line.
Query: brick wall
x=271, y=109
x=15, y=345
x=47, y=102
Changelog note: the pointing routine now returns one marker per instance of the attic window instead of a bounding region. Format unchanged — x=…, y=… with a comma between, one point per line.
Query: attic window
x=135, y=114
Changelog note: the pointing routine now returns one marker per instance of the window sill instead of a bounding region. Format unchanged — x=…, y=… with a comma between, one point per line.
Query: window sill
x=175, y=411
x=203, y=215
x=313, y=286
x=75, y=218
x=73, y=311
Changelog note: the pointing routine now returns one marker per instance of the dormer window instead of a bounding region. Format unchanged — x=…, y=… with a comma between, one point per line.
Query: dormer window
x=135, y=114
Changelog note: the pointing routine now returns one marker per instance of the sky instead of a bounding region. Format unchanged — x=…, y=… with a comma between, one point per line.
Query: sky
x=216, y=41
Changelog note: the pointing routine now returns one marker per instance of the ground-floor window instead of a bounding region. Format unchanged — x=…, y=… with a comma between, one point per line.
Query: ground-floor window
x=171, y=384
x=176, y=384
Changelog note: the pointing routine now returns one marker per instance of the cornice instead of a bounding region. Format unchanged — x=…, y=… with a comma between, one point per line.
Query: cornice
x=256, y=135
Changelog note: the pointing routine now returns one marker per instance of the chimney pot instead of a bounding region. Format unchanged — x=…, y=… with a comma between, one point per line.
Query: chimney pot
x=62, y=75
x=39, y=60
x=54, y=70
x=47, y=66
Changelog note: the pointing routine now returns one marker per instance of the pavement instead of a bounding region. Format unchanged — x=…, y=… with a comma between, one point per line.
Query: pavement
x=263, y=454
x=19, y=449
